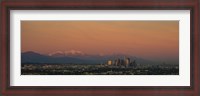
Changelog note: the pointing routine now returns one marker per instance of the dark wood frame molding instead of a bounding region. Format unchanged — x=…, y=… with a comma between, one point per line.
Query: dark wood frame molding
x=192, y=5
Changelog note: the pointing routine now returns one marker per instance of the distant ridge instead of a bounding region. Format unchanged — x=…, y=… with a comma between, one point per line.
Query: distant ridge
x=31, y=57
x=36, y=58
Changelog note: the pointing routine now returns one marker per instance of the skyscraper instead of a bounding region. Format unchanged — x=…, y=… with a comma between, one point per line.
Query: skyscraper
x=109, y=62
x=127, y=62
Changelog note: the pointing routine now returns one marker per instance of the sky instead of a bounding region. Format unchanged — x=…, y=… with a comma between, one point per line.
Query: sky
x=147, y=39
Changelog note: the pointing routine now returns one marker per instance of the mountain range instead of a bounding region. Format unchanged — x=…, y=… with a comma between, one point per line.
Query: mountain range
x=31, y=57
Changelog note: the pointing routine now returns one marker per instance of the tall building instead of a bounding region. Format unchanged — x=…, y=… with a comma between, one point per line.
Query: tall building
x=133, y=64
x=127, y=62
x=109, y=62
x=117, y=62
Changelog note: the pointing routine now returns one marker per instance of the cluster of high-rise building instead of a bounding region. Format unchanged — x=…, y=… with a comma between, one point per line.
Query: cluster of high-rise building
x=122, y=62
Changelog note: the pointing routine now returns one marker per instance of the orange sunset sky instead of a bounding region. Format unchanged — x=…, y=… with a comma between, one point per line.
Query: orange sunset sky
x=148, y=39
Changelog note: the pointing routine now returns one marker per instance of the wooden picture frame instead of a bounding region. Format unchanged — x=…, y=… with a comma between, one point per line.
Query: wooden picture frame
x=192, y=5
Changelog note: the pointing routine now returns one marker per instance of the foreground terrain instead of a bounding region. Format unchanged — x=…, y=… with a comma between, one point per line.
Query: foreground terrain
x=90, y=69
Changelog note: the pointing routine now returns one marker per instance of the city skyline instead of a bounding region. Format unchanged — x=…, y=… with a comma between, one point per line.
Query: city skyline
x=147, y=39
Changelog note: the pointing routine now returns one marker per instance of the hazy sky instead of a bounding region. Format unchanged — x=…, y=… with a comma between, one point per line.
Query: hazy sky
x=149, y=39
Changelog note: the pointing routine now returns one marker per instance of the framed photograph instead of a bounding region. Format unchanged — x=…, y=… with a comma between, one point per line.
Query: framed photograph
x=111, y=48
